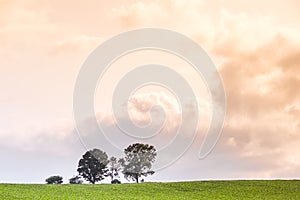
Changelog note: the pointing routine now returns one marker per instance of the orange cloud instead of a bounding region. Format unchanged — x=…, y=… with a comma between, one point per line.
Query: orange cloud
x=256, y=48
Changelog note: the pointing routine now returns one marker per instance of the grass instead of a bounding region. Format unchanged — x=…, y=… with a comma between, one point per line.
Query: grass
x=277, y=189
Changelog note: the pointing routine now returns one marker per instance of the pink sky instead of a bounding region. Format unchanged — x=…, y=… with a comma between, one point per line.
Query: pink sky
x=255, y=46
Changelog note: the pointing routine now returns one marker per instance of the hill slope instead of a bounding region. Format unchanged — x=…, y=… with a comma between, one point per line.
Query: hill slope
x=180, y=190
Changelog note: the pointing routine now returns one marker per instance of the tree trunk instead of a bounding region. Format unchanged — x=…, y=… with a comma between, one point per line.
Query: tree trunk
x=137, y=179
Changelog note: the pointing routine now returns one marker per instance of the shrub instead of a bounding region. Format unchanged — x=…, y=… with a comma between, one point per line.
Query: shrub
x=115, y=181
x=75, y=180
x=54, y=180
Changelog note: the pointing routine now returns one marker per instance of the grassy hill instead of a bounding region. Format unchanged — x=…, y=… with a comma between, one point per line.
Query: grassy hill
x=280, y=189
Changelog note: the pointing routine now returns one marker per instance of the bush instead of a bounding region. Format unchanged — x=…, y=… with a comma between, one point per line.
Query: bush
x=75, y=180
x=54, y=180
x=115, y=181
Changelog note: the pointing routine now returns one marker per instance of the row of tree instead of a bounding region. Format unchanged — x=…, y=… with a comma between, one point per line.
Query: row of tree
x=94, y=166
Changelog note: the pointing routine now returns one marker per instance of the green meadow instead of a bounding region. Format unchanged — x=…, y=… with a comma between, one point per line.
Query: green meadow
x=260, y=189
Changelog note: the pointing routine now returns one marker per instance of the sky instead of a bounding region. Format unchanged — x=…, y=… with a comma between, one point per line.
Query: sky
x=255, y=46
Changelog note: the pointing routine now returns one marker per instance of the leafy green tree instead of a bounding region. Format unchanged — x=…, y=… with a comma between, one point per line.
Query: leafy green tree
x=138, y=161
x=93, y=166
x=75, y=180
x=54, y=180
x=114, y=167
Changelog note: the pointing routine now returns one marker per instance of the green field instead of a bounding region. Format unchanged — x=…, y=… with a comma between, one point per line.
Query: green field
x=278, y=189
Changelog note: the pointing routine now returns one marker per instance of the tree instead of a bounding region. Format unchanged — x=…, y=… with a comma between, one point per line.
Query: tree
x=54, y=180
x=138, y=161
x=114, y=167
x=93, y=166
x=75, y=180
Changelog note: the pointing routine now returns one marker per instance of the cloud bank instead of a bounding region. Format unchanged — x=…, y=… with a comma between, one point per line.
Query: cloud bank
x=256, y=49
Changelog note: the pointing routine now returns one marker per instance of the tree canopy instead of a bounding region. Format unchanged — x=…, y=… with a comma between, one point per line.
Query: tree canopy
x=114, y=167
x=138, y=161
x=93, y=166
